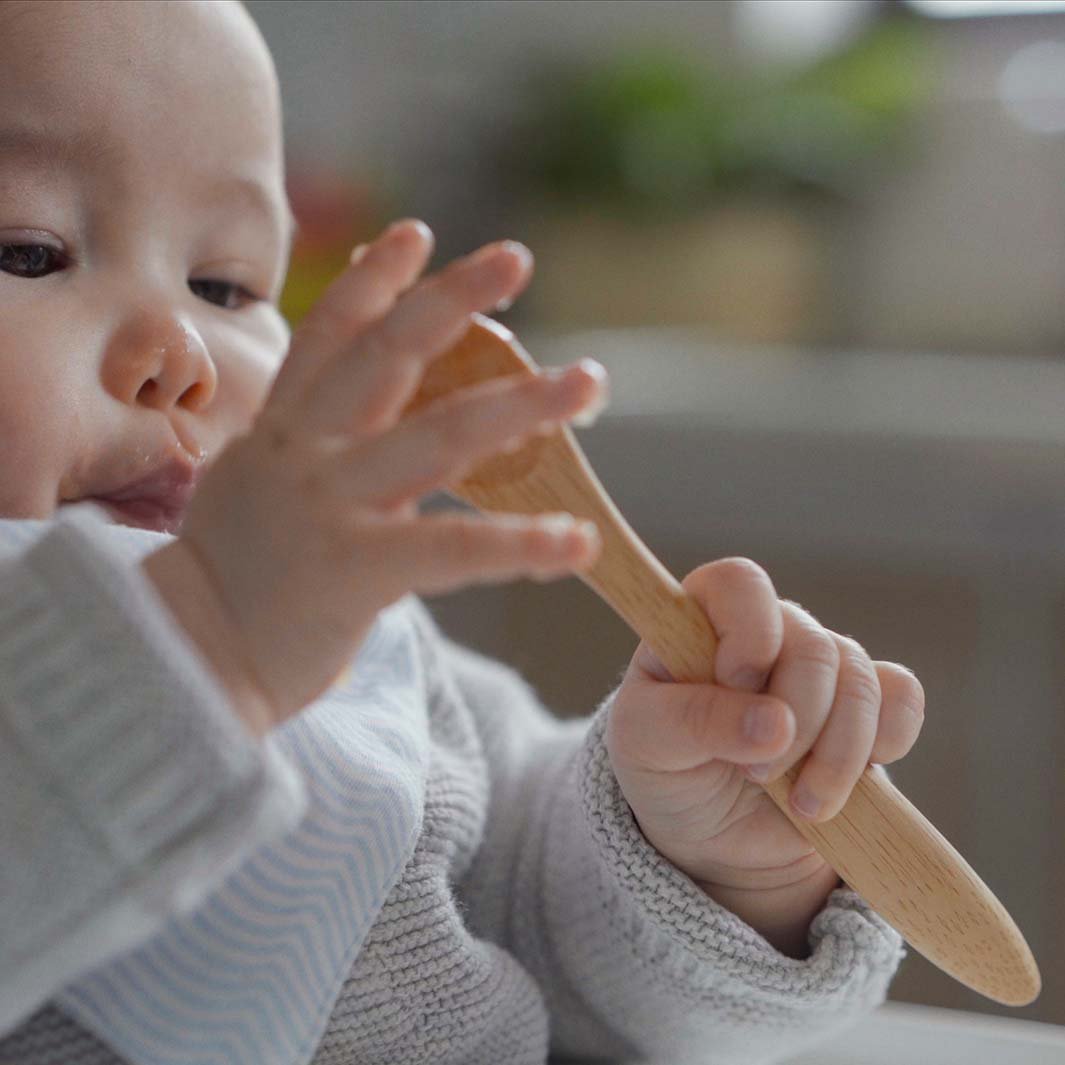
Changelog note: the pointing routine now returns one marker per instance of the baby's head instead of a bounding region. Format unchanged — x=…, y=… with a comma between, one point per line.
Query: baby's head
x=143, y=243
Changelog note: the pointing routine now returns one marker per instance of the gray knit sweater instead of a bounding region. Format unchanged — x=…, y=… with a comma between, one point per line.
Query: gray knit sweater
x=527, y=917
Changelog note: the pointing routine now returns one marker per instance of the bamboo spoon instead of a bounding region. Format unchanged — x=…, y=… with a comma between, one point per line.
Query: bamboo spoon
x=880, y=843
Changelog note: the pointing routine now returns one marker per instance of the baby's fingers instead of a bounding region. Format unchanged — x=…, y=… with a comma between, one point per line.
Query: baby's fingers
x=366, y=387
x=430, y=555
x=377, y=275
x=842, y=750
x=741, y=603
x=901, y=712
x=683, y=726
x=437, y=445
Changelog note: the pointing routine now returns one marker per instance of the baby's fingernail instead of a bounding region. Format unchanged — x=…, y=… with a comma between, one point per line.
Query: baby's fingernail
x=558, y=526
x=586, y=418
x=415, y=224
x=594, y=368
x=590, y=531
x=805, y=801
x=519, y=251
x=652, y=664
x=748, y=679
x=758, y=773
x=760, y=723
x=588, y=415
x=489, y=252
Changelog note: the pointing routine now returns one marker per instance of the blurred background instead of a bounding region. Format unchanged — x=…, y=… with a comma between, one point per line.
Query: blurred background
x=820, y=245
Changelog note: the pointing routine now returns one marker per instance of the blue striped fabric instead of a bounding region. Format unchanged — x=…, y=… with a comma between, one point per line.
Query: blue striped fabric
x=251, y=977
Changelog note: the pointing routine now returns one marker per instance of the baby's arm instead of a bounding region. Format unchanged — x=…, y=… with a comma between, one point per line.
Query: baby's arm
x=632, y=957
x=128, y=788
x=130, y=695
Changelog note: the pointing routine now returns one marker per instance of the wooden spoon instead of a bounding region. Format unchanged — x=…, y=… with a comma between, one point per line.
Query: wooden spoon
x=880, y=843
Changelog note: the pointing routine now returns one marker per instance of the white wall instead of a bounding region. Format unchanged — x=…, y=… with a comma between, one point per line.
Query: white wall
x=411, y=91
x=965, y=250
x=960, y=248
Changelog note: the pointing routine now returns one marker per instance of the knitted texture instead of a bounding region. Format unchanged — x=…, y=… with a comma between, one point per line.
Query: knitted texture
x=531, y=918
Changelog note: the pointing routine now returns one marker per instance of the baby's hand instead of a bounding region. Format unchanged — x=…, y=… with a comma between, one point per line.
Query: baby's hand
x=307, y=527
x=685, y=754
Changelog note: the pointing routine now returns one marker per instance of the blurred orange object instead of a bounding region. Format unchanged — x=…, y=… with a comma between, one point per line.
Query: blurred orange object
x=334, y=213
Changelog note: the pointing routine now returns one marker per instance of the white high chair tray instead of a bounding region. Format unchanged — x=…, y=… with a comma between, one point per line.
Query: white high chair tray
x=902, y=1034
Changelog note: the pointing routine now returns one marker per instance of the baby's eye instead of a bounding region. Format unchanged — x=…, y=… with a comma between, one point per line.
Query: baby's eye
x=30, y=260
x=222, y=293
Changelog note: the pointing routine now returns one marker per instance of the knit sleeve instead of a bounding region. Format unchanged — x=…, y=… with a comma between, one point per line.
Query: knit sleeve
x=633, y=960
x=128, y=787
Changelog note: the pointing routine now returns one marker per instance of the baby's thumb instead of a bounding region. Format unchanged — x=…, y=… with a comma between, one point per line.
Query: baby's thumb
x=681, y=726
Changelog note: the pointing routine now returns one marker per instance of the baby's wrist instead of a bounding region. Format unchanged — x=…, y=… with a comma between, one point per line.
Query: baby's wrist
x=188, y=593
x=780, y=912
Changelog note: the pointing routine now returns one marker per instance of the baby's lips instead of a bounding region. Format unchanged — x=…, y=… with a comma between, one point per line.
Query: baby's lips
x=156, y=500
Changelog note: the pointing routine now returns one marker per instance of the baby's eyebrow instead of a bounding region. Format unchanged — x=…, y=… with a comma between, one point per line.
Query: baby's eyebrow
x=255, y=195
x=47, y=146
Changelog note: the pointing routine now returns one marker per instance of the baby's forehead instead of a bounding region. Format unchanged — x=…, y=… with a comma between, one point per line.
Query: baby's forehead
x=167, y=54
x=174, y=77
x=160, y=101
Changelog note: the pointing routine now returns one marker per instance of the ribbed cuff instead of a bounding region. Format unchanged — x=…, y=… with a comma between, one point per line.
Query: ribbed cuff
x=143, y=780
x=855, y=952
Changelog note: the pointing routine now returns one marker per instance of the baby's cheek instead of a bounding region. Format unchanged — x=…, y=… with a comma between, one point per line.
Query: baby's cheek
x=31, y=473
x=247, y=357
x=39, y=421
x=244, y=381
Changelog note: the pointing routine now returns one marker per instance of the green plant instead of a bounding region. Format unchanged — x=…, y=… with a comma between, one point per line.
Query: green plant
x=650, y=131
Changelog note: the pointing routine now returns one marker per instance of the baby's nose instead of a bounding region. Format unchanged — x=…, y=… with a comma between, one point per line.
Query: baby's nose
x=154, y=359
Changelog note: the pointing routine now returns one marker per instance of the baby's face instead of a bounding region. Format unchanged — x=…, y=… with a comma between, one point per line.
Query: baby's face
x=143, y=241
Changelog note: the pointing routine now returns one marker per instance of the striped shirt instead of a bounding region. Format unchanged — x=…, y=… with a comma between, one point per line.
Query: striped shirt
x=423, y=866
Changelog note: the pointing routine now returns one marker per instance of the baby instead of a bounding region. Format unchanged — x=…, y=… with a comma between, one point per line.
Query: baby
x=211, y=850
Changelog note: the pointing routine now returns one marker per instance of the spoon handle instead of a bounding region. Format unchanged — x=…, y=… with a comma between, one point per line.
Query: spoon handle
x=879, y=843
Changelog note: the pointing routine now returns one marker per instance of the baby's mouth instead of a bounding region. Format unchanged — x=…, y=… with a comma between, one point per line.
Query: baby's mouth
x=143, y=514
x=156, y=500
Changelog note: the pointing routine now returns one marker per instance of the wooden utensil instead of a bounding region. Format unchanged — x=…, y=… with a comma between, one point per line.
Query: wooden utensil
x=880, y=843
